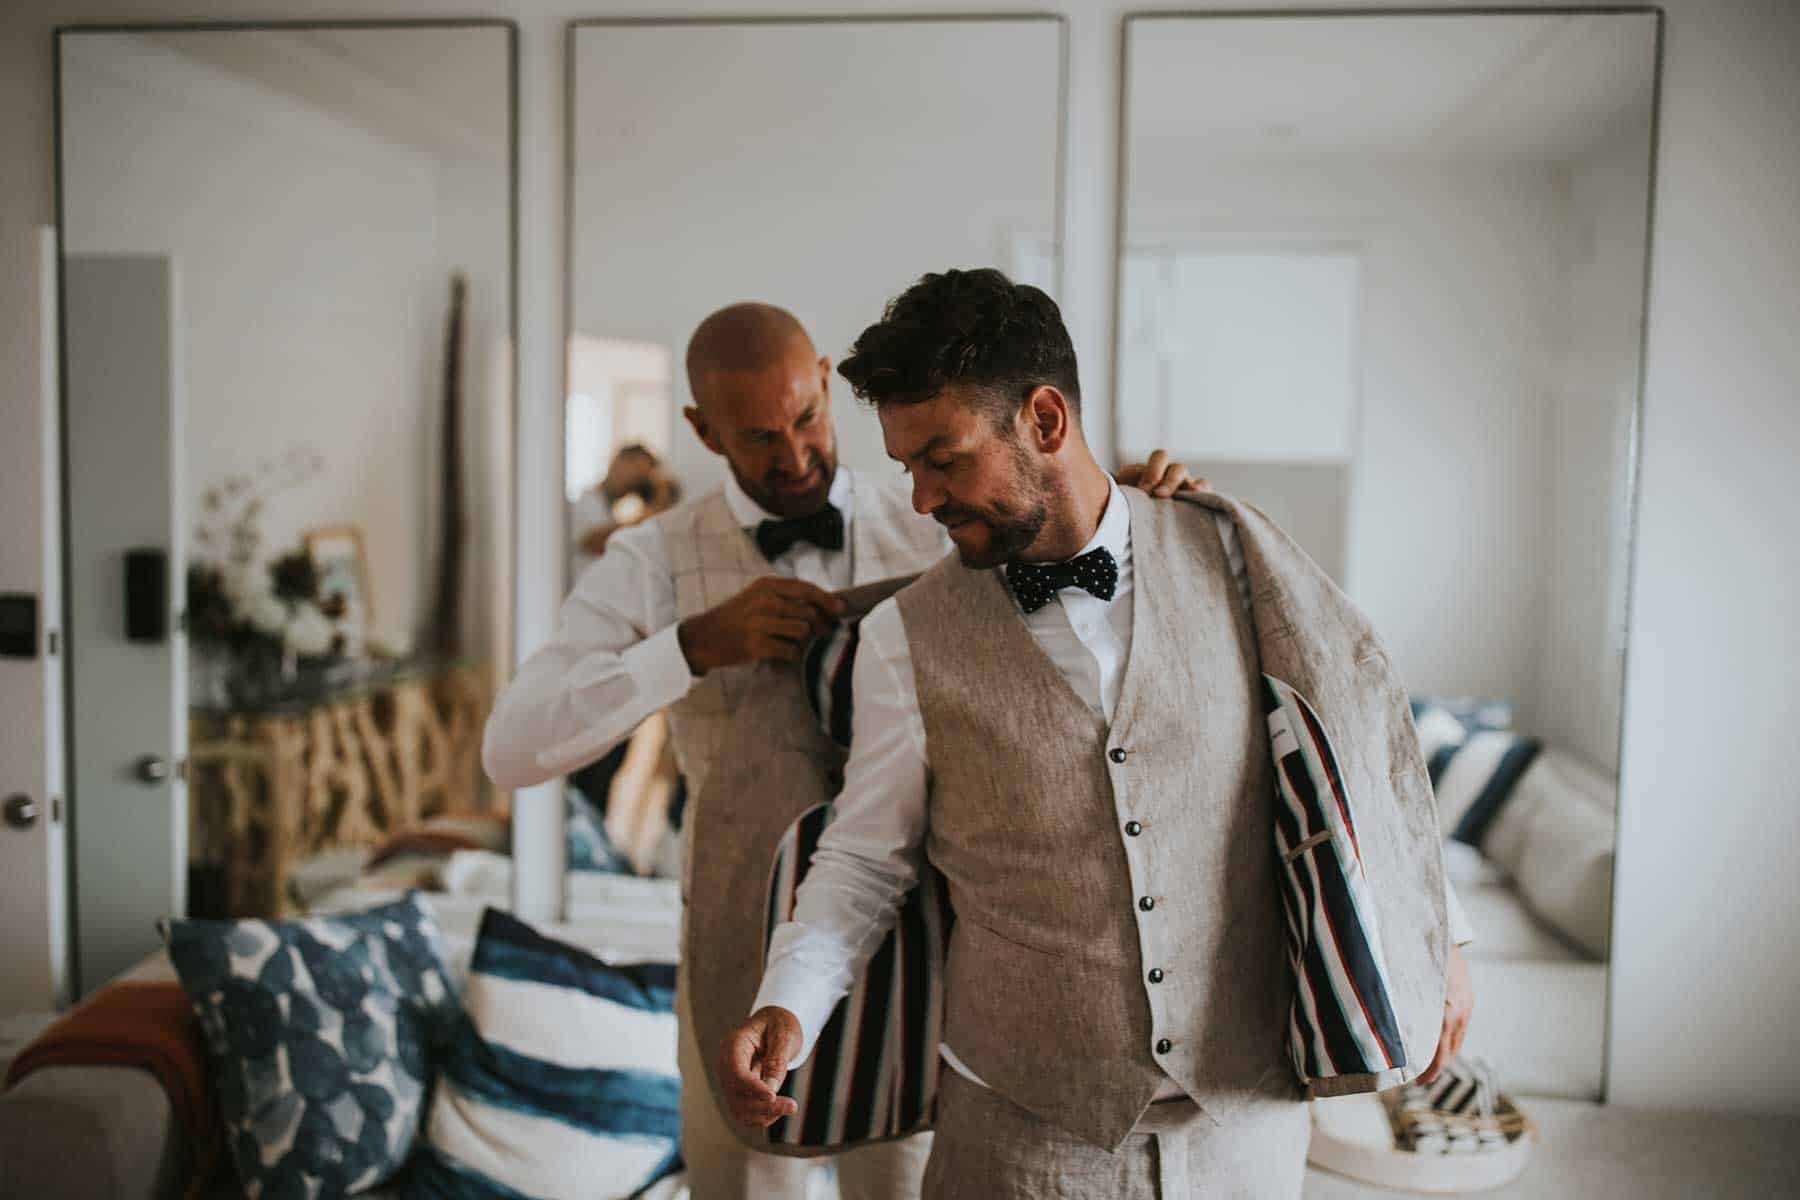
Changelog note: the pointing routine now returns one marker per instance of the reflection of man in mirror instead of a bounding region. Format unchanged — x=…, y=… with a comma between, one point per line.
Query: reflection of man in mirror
x=636, y=486
x=1094, y=721
x=680, y=607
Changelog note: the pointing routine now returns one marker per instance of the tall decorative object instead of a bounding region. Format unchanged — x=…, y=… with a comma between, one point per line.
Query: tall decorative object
x=446, y=625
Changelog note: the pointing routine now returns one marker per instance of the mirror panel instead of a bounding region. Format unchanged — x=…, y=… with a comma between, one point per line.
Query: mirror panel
x=1382, y=275
x=287, y=274
x=819, y=165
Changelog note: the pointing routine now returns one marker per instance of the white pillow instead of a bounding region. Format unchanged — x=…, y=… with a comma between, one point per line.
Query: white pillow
x=1556, y=838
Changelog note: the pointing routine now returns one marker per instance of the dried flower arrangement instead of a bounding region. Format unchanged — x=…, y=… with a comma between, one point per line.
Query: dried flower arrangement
x=256, y=618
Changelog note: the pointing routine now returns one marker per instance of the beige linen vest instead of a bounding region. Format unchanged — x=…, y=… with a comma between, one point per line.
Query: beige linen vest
x=1061, y=913
x=713, y=560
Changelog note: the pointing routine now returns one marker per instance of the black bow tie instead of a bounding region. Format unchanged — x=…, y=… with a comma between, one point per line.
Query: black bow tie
x=1036, y=584
x=824, y=529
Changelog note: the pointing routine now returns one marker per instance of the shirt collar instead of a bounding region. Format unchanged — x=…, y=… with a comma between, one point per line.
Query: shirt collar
x=1114, y=534
x=749, y=514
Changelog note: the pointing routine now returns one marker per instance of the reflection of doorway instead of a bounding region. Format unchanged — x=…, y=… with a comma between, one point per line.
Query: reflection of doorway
x=619, y=395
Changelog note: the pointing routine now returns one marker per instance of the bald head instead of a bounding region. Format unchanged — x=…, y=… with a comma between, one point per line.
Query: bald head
x=762, y=399
x=742, y=337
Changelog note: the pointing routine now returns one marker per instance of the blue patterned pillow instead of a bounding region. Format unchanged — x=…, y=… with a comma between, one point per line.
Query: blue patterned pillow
x=320, y=1034
x=588, y=847
x=562, y=1080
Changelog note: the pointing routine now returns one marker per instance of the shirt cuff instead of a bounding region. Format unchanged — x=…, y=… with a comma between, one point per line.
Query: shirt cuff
x=791, y=986
x=1460, y=932
x=659, y=670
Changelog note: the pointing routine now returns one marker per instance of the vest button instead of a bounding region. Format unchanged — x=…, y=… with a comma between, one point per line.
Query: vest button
x=1117, y=754
x=1156, y=975
x=1164, y=1046
x=1132, y=828
x=1147, y=903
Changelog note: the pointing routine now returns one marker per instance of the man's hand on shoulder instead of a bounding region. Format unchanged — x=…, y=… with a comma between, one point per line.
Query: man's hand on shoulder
x=773, y=618
x=753, y=1063
x=1161, y=477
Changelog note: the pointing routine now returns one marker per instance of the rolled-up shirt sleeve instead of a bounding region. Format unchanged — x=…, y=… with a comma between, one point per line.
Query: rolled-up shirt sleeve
x=1461, y=932
x=615, y=659
x=869, y=856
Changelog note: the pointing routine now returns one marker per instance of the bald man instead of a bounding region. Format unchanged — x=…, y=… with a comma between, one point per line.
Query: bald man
x=678, y=609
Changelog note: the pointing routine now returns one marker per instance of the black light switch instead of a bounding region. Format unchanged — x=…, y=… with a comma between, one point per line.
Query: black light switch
x=146, y=595
x=18, y=625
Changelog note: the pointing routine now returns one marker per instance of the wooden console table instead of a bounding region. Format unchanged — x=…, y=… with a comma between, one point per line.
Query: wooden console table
x=348, y=765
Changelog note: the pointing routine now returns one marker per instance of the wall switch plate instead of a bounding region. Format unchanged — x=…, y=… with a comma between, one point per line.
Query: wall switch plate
x=18, y=625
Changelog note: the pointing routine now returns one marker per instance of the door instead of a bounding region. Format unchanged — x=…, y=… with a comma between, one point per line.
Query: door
x=33, y=849
x=128, y=662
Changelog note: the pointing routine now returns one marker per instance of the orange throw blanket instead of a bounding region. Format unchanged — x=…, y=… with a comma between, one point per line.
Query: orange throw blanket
x=146, y=1025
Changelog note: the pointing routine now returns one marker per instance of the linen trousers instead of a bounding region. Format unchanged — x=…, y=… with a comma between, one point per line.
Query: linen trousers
x=988, y=1148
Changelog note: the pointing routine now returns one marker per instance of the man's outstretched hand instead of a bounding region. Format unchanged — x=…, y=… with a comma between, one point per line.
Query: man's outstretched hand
x=753, y=1062
x=1459, y=1004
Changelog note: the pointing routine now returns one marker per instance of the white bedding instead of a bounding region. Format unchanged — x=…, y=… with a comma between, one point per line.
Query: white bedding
x=617, y=918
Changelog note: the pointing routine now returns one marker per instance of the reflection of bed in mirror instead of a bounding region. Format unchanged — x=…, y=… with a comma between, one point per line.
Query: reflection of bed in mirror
x=1382, y=276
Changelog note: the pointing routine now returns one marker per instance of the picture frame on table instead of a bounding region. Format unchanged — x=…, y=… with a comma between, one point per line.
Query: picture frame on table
x=342, y=564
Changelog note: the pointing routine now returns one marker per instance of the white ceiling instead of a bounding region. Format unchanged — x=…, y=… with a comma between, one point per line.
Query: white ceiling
x=443, y=88
x=1540, y=87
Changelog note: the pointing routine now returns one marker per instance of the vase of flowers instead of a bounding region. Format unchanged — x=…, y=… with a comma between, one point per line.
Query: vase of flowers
x=257, y=626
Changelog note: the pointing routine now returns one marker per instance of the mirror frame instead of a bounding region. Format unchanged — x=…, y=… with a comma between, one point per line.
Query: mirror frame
x=1635, y=439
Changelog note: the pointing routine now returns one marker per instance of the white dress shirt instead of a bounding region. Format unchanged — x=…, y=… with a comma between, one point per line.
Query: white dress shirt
x=871, y=852
x=616, y=657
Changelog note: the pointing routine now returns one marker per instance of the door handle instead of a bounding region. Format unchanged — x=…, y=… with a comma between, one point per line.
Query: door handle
x=152, y=768
x=21, y=811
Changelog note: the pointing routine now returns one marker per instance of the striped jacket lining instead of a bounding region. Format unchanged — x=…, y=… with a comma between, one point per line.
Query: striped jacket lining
x=873, y=1071
x=1341, y=1021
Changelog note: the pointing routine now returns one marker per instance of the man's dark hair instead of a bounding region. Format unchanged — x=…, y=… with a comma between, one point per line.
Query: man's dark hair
x=977, y=329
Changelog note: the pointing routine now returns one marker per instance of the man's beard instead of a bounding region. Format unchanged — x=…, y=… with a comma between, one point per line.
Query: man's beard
x=765, y=491
x=1013, y=524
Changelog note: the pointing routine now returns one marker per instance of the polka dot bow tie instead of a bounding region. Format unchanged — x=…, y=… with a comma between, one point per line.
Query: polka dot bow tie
x=1036, y=584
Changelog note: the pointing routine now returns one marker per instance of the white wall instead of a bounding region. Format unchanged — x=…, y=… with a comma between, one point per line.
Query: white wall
x=1707, y=913
x=724, y=164
x=1594, y=382
x=312, y=299
x=1707, y=943
x=1460, y=296
x=316, y=254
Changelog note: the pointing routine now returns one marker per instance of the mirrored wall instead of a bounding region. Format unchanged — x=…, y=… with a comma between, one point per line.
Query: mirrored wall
x=817, y=165
x=1383, y=276
x=287, y=284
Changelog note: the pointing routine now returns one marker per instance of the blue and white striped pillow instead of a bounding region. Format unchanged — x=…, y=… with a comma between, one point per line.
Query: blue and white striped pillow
x=562, y=1081
x=1474, y=780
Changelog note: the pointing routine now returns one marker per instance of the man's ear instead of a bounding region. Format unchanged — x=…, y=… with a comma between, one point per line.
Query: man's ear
x=703, y=428
x=1046, y=417
x=825, y=377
